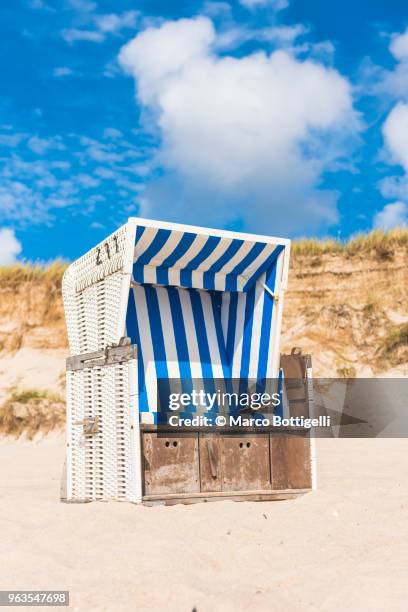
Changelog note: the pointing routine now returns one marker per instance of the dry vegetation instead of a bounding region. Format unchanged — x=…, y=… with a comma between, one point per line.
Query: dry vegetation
x=31, y=312
x=31, y=411
x=395, y=345
x=347, y=303
x=22, y=273
x=377, y=243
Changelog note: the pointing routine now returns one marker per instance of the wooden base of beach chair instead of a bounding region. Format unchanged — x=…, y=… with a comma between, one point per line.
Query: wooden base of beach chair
x=186, y=465
x=195, y=465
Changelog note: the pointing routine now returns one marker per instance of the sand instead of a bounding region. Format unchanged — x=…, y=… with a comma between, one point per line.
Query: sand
x=343, y=547
x=30, y=368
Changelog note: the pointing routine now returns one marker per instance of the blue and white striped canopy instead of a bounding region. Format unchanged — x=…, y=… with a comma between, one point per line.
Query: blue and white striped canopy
x=196, y=310
x=186, y=258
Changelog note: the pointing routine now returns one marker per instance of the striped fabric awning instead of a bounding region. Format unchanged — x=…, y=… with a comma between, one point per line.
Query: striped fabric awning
x=192, y=258
x=196, y=311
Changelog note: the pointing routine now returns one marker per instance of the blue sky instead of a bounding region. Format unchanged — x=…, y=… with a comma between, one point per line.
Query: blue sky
x=272, y=116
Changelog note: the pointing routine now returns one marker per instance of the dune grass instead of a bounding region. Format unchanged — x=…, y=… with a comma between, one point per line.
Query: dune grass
x=26, y=272
x=31, y=411
x=374, y=304
x=379, y=243
x=27, y=396
x=396, y=338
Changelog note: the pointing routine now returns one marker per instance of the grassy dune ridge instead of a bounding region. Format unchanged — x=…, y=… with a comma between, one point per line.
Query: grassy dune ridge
x=366, y=274
x=377, y=243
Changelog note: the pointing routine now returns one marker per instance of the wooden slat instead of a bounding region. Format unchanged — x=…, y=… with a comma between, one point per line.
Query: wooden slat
x=290, y=461
x=220, y=496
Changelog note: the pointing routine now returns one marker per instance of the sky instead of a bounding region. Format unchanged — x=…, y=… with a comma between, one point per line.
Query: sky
x=280, y=117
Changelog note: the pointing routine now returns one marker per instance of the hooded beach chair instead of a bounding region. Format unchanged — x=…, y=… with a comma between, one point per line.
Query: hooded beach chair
x=159, y=309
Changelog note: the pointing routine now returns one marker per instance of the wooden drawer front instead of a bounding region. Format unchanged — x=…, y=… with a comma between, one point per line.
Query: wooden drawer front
x=170, y=464
x=290, y=461
x=245, y=462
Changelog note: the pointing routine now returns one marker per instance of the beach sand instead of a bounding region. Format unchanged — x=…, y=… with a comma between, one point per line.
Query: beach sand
x=343, y=547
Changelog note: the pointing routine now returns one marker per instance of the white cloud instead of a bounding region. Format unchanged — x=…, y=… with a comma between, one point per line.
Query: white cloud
x=42, y=145
x=32, y=187
x=28, y=190
x=112, y=133
x=10, y=247
x=109, y=24
x=241, y=137
x=390, y=83
x=82, y=6
x=63, y=71
x=395, y=132
x=12, y=140
x=283, y=36
x=112, y=69
x=41, y=5
x=130, y=185
x=395, y=187
x=73, y=35
x=100, y=152
x=105, y=173
x=277, y=5
x=215, y=9
x=392, y=215
x=87, y=181
x=100, y=26
x=399, y=45
x=95, y=198
x=60, y=164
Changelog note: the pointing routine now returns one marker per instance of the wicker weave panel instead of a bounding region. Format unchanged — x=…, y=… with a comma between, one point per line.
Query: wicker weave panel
x=76, y=449
x=103, y=465
x=95, y=290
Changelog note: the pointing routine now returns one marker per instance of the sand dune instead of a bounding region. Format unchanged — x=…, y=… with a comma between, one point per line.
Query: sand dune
x=341, y=547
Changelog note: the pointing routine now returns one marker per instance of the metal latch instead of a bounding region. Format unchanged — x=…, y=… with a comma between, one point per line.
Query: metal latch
x=90, y=425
